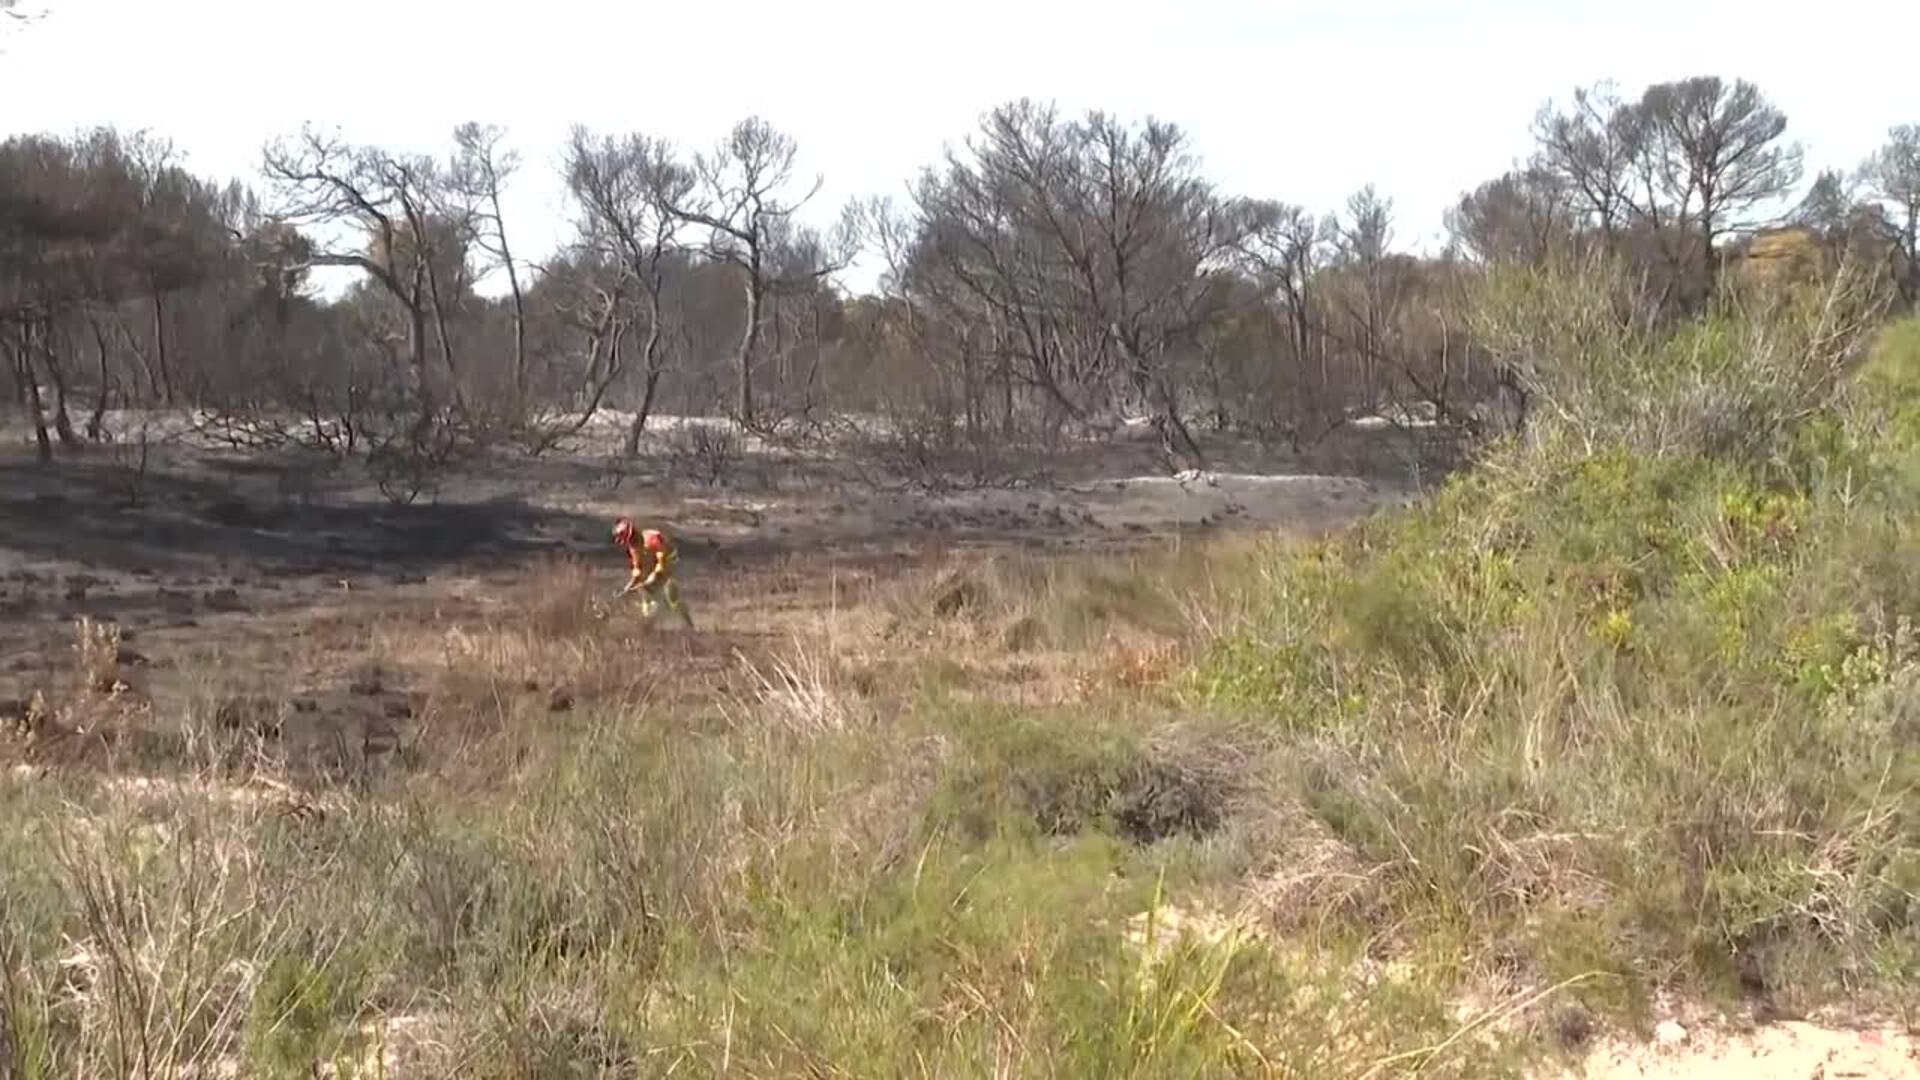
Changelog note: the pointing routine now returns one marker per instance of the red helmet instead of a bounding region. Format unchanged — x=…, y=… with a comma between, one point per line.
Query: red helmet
x=623, y=532
x=653, y=539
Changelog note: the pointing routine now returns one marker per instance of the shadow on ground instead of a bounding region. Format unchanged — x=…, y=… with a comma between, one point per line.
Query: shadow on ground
x=80, y=513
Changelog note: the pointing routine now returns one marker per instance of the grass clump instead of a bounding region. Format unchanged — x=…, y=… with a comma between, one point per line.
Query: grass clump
x=652, y=902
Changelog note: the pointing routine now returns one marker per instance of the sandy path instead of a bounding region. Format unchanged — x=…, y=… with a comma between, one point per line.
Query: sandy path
x=1795, y=1050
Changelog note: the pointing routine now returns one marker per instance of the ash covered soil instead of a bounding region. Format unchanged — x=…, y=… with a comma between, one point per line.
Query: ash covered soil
x=261, y=582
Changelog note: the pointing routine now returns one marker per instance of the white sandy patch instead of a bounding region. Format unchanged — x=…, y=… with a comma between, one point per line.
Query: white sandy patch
x=1794, y=1050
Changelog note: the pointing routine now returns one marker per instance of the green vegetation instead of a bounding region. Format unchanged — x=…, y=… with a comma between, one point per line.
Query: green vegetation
x=941, y=901
x=1645, y=712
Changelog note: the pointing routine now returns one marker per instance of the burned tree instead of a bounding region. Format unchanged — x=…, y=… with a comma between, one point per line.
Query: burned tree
x=67, y=249
x=1892, y=177
x=1712, y=155
x=1520, y=216
x=399, y=236
x=1089, y=246
x=741, y=198
x=1586, y=157
x=1285, y=253
x=481, y=169
x=627, y=189
x=1362, y=243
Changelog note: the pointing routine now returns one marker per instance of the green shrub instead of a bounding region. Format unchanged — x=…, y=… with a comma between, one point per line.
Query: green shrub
x=1640, y=690
x=1732, y=383
x=305, y=1013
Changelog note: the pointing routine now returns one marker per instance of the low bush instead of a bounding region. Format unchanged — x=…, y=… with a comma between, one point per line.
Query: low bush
x=1631, y=704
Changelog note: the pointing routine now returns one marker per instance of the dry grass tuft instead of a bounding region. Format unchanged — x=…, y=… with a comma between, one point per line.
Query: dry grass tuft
x=97, y=657
x=558, y=601
x=1143, y=664
x=803, y=689
x=1310, y=878
x=162, y=977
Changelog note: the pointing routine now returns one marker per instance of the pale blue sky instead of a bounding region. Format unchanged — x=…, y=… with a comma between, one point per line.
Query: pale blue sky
x=1302, y=101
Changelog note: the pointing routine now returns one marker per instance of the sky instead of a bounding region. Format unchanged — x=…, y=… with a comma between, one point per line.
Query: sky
x=1298, y=100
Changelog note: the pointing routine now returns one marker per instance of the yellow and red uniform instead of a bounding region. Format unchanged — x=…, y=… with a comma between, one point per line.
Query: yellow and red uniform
x=651, y=558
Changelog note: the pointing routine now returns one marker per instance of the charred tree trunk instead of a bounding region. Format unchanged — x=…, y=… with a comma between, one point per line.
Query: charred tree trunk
x=648, y=391
x=1006, y=395
x=604, y=337
x=814, y=352
x=23, y=361
x=62, y=420
x=519, y=302
x=595, y=354
x=1175, y=437
x=146, y=372
x=417, y=353
x=459, y=396
x=749, y=340
x=1156, y=392
x=969, y=401
x=1710, y=214
x=96, y=422
x=519, y=335
x=782, y=362
x=18, y=377
x=419, y=378
x=615, y=364
x=651, y=353
x=160, y=346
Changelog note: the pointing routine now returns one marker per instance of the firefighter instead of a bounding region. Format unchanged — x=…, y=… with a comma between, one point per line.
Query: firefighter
x=652, y=558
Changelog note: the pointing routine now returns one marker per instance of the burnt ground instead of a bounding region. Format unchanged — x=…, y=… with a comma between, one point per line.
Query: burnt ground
x=245, y=582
